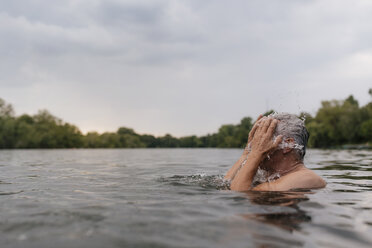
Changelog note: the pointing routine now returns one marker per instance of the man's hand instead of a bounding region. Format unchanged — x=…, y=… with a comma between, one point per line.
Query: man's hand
x=261, y=144
x=262, y=141
x=254, y=128
x=251, y=134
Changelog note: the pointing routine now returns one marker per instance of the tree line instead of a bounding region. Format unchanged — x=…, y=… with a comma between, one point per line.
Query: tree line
x=336, y=123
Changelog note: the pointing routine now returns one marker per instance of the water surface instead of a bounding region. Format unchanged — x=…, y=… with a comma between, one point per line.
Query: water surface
x=173, y=198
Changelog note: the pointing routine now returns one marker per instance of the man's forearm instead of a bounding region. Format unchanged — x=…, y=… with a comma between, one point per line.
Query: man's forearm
x=235, y=168
x=243, y=179
x=261, y=144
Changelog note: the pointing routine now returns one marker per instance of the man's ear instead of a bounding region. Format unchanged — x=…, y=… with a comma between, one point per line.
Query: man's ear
x=290, y=142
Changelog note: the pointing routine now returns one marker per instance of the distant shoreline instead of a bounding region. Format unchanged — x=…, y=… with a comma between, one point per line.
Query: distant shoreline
x=338, y=124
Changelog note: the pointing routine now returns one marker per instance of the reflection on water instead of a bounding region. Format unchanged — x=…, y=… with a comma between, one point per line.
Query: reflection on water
x=176, y=198
x=289, y=220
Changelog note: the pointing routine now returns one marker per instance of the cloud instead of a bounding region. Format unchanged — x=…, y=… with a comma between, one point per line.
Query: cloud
x=182, y=67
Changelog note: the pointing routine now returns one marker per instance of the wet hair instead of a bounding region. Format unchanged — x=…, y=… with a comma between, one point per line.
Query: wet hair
x=290, y=126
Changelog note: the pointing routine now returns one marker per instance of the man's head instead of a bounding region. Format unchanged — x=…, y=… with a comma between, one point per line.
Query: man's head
x=295, y=135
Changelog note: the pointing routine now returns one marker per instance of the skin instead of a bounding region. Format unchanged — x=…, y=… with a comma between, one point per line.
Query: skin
x=294, y=175
x=234, y=169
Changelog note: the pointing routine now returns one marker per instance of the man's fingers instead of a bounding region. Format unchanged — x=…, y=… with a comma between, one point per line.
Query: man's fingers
x=257, y=122
x=259, y=117
x=266, y=124
x=271, y=128
x=251, y=133
x=256, y=126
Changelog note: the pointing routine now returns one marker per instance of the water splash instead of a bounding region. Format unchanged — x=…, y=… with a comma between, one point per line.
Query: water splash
x=203, y=180
x=260, y=177
x=284, y=144
x=273, y=114
x=248, y=148
x=273, y=177
x=263, y=176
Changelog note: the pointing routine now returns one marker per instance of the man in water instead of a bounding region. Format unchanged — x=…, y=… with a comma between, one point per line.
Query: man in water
x=273, y=158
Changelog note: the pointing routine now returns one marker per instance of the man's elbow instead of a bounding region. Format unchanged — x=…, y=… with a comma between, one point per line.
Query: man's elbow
x=314, y=182
x=264, y=187
x=321, y=183
x=239, y=187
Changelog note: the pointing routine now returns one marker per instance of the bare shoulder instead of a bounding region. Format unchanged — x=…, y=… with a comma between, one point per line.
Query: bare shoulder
x=306, y=178
x=301, y=179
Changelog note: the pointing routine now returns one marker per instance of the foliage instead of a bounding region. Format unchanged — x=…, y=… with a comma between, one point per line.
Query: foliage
x=340, y=122
x=335, y=123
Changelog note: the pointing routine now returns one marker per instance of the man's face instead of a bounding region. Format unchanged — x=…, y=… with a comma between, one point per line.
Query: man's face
x=272, y=159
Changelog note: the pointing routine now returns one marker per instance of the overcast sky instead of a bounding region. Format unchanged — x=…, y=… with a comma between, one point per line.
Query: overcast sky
x=181, y=67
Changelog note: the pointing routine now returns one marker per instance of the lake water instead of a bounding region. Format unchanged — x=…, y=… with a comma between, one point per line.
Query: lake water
x=172, y=198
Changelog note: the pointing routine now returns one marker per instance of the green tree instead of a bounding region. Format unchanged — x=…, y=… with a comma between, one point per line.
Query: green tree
x=92, y=140
x=125, y=130
x=168, y=141
x=226, y=134
x=6, y=110
x=243, y=130
x=366, y=130
x=190, y=141
x=149, y=141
